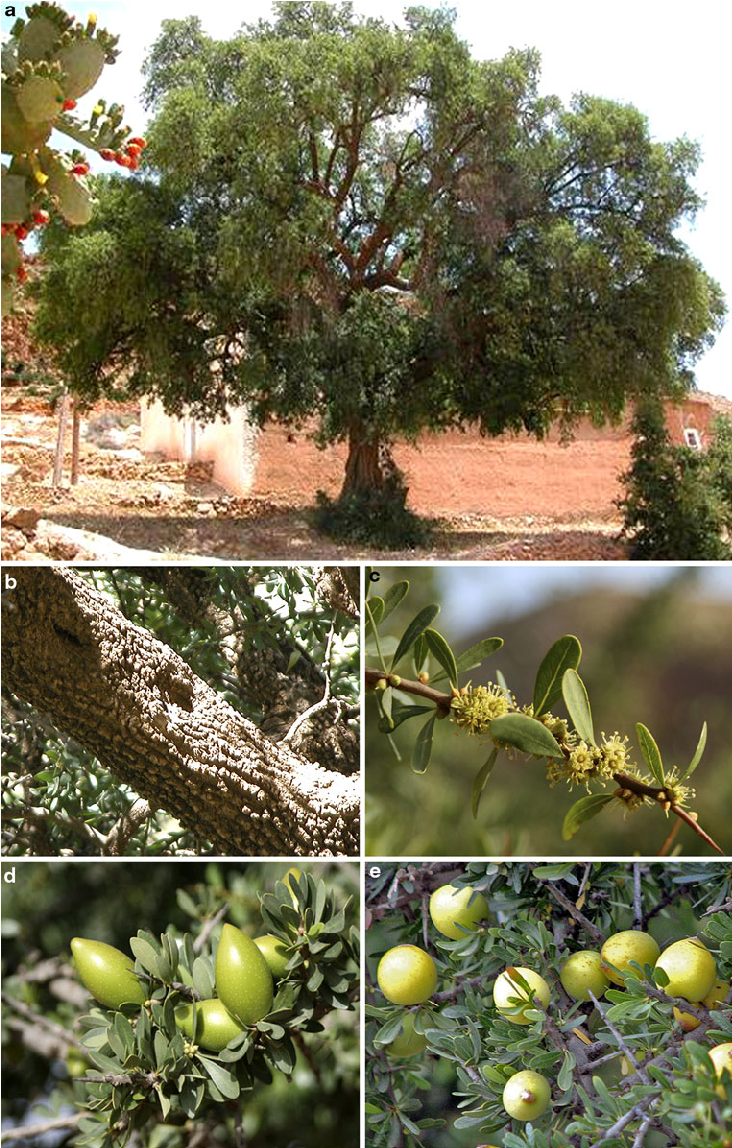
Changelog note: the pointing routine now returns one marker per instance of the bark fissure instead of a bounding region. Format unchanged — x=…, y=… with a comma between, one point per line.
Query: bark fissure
x=118, y=692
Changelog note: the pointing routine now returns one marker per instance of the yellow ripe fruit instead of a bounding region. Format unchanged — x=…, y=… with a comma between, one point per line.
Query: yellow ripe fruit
x=407, y=975
x=622, y=948
x=526, y=1095
x=215, y=1026
x=717, y=994
x=506, y=989
x=409, y=1042
x=690, y=967
x=451, y=908
x=721, y=1058
x=582, y=973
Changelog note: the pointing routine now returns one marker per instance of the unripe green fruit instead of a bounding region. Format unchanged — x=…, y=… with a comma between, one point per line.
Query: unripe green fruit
x=690, y=967
x=582, y=973
x=407, y=975
x=275, y=954
x=506, y=989
x=715, y=996
x=243, y=980
x=721, y=1058
x=526, y=1095
x=107, y=973
x=449, y=909
x=409, y=1042
x=622, y=948
x=215, y=1026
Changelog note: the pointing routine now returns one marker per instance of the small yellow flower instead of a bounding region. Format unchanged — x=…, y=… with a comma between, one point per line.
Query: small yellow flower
x=475, y=709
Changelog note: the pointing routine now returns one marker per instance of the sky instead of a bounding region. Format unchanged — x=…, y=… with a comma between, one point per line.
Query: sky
x=667, y=58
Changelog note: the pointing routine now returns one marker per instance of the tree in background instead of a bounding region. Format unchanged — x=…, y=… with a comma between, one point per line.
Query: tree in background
x=227, y=699
x=374, y=233
x=622, y=1064
x=297, y=1079
x=678, y=502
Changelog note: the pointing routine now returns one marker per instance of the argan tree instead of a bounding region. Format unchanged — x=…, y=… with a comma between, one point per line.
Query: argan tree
x=227, y=699
x=378, y=233
x=533, y=1025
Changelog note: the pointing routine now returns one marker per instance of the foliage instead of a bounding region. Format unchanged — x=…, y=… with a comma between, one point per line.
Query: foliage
x=55, y=794
x=371, y=233
x=568, y=746
x=49, y=62
x=622, y=1072
x=142, y=1080
x=678, y=502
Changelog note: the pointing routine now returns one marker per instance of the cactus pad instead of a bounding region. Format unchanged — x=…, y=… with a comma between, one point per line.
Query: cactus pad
x=39, y=98
x=82, y=61
x=38, y=39
x=12, y=256
x=18, y=136
x=73, y=197
x=15, y=198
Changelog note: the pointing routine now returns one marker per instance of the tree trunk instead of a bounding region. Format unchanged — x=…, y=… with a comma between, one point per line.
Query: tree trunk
x=75, y=434
x=58, y=459
x=135, y=704
x=370, y=468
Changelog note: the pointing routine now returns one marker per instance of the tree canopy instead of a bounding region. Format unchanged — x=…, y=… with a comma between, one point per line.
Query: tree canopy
x=360, y=227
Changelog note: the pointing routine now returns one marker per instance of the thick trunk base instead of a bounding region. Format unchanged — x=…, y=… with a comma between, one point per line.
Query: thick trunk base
x=371, y=473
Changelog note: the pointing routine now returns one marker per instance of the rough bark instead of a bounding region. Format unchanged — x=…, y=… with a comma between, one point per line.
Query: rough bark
x=370, y=468
x=150, y=720
x=264, y=676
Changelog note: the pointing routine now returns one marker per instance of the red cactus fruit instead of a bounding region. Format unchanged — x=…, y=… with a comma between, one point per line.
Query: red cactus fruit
x=41, y=218
x=137, y=141
x=80, y=169
x=107, y=153
x=68, y=105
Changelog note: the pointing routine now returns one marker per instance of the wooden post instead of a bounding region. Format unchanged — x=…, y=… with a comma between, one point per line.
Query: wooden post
x=58, y=461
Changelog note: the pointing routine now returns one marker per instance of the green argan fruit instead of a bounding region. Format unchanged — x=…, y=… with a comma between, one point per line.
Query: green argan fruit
x=409, y=1042
x=526, y=1095
x=506, y=988
x=215, y=1026
x=407, y=975
x=690, y=968
x=275, y=954
x=582, y=973
x=622, y=948
x=451, y=908
x=243, y=980
x=107, y=973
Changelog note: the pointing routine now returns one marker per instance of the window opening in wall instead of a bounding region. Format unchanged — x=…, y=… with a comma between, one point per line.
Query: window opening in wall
x=692, y=438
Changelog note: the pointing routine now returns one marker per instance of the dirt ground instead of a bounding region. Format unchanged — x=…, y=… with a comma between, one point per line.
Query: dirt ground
x=507, y=499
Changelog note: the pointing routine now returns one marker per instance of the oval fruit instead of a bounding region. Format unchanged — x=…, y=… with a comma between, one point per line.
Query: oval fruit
x=526, y=1095
x=407, y=975
x=690, y=968
x=721, y=1058
x=243, y=980
x=506, y=990
x=275, y=954
x=409, y=1042
x=715, y=996
x=582, y=973
x=107, y=973
x=454, y=914
x=624, y=947
x=215, y=1026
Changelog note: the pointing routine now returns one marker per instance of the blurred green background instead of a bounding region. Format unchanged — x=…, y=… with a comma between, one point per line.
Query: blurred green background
x=49, y=903
x=657, y=648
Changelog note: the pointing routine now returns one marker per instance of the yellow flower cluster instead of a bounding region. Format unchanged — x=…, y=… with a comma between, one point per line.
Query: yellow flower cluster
x=473, y=709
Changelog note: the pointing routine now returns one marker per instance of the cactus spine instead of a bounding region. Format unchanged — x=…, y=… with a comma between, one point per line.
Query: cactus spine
x=49, y=62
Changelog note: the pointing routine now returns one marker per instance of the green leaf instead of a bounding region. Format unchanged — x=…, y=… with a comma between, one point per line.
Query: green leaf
x=401, y=712
x=423, y=747
x=416, y=627
x=470, y=659
x=564, y=655
x=481, y=780
x=583, y=810
x=578, y=705
x=394, y=595
x=526, y=734
x=419, y=653
x=224, y=1080
x=650, y=752
x=293, y=660
x=442, y=653
x=374, y=613
x=697, y=756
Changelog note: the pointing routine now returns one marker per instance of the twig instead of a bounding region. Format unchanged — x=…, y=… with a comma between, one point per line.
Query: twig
x=419, y=689
x=670, y=839
x=637, y=897
x=572, y=909
x=61, y=1034
x=34, y=1131
x=126, y=827
x=325, y=700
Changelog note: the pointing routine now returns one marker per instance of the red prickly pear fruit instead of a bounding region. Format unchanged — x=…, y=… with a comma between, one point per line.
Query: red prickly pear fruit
x=80, y=169
x=138, y=141
x=68, y=105
x=7, y=228
x=41, y=218
x=133, y=149
x=108, y=154
x=21, y=232
x=124, y=161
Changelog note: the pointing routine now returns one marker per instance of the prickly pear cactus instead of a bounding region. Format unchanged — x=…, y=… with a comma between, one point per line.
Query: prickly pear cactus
x=48, y=63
